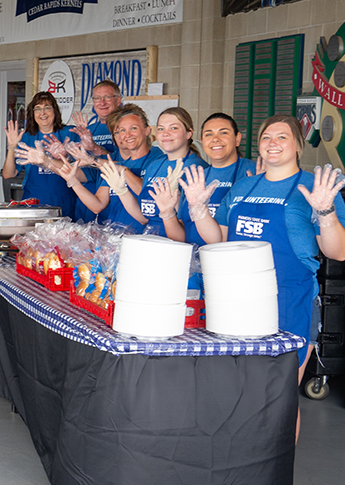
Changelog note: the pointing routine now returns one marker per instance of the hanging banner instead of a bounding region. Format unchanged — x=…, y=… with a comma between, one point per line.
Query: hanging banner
x=236, y=6
x=126, y=69
x=28, y=20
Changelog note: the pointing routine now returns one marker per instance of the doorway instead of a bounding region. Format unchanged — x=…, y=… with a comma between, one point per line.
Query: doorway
x=12, y=102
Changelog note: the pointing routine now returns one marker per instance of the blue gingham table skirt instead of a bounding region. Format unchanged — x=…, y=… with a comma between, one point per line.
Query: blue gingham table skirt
x=54, y=311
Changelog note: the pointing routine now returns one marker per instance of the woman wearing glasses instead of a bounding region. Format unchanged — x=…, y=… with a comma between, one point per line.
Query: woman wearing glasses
x=40, y=182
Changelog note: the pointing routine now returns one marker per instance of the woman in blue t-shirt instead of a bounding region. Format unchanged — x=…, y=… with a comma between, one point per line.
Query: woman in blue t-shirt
x=40, y=181
x=297, y=212
x=131, y=132
x=174, y=135
x=220, y=141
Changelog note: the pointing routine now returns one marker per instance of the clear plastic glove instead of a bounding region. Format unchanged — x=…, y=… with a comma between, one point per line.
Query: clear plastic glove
x=69, y=172
x=85, y=135
x=34, y=156
x=13, y=134
x=79, y=119
x=174, y=175
x=114, y=179
x=197, y=194
x=327, y=183
x=260, y=167
x=54, y=146
x=164, y=198
x=79, y=153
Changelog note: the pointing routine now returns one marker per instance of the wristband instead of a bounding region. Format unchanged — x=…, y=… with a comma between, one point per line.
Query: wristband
x=70, y=184
x=168, y=214
x=326, y=211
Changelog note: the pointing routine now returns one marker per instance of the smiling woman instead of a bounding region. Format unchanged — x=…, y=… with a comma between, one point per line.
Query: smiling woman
x=283, y=207
x=220, y=140
x=40, y=182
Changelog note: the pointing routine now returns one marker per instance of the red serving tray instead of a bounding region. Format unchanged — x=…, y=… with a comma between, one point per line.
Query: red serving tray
x=55, y=280
x=79, y=301
x=195, y=310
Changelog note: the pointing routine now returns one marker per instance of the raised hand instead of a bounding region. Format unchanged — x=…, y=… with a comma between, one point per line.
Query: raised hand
x=115, y=179
x=68, y=171
x=165, y=199
x=13, y=135
x=260, y=167
x=85, y=135
x=197, y=194
x=35, y=156
x=79, y=119
x=54, y=146
x=326, y=187
x=79, y=153
x=174, y=175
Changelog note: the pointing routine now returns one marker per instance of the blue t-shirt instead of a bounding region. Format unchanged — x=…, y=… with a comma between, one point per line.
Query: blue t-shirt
x=139, y=165
x=301, y=231
x=102, y=137
x=115, y=210
x=159, y=169
x=227, y=176
x=44, y=184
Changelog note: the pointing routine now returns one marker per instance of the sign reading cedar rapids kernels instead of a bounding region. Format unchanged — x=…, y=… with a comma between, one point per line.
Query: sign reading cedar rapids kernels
x=25, y=20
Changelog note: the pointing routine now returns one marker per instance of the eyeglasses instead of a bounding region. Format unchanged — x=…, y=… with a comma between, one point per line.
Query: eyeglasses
x=98, y=99
x=45, y=109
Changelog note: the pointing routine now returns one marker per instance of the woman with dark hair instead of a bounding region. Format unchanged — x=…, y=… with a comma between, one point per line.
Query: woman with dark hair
x=220, y=141
x=40, y=181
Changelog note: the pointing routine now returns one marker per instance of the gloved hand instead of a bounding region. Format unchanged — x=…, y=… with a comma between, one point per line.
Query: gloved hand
x=79, y=119
x=327, y=183
x=164, y=198
x=34, y=156
x=79, y=153
x=69, y=172
x=197, y=194
x=86, y=139
x=114, y=179
x=54, y=146
x=174, y=175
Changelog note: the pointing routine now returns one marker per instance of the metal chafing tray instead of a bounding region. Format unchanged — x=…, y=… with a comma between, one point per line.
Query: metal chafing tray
x=16, y=219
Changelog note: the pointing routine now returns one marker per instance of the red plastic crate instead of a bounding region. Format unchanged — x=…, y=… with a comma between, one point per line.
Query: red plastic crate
x=195, y=314
x=55, y=280
x=79, y=301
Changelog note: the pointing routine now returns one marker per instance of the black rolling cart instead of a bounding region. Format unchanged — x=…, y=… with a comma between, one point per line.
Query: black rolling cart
x=330, y=358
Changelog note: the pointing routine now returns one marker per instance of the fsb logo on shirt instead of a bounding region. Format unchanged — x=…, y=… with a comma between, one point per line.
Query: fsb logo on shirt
x=249, y=227
x=147, y=208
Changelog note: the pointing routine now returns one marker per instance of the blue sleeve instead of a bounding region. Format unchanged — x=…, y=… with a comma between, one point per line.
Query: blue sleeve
x=221, y=215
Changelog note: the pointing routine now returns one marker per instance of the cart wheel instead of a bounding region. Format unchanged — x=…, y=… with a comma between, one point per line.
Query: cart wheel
x=314, y=390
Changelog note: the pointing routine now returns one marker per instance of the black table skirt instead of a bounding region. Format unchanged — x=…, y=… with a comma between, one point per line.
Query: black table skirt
x=96, y=418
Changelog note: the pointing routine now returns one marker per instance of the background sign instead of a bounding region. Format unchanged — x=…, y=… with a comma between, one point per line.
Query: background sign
x=126, y=69
x=25, y=20
x=58, y=80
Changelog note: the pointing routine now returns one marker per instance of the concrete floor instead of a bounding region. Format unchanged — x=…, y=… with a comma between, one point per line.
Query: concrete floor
x=319, y=454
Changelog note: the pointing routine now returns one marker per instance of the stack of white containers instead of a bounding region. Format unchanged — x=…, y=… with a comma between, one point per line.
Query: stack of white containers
x=240, y=288
x=152, y=281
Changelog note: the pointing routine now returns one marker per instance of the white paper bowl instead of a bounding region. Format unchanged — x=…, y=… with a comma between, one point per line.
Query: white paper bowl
x=151, y=321
x=252, y=317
